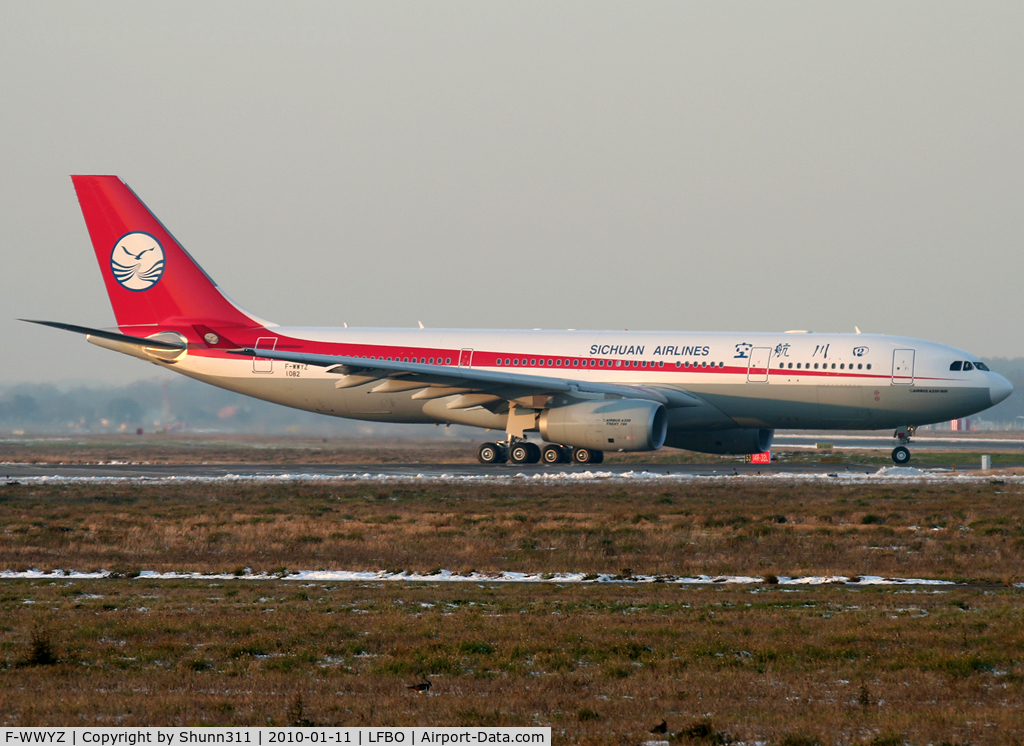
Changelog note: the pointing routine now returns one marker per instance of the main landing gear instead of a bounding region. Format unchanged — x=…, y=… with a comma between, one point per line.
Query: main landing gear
x=901, y=454
x=522, y=451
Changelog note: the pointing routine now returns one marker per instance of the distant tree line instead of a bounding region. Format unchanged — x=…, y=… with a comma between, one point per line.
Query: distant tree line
x=160, y=406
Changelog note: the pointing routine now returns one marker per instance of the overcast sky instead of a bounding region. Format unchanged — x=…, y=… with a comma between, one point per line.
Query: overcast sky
x=688, y=166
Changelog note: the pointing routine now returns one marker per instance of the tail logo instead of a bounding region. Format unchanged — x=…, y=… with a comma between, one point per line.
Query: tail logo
x=137, y=261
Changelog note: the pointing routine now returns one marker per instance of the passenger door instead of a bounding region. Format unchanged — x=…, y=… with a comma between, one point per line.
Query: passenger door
x=262, y=364
x=903, y=367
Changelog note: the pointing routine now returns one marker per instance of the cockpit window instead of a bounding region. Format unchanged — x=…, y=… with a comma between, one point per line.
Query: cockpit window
x=958, y=365
x=981, y=366
x=967, y=365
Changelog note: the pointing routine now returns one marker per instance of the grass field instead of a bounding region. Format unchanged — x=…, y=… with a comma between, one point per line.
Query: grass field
x=599, y=662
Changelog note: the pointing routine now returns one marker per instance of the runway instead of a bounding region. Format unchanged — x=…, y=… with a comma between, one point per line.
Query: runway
x=409, y=471
x=933, y=441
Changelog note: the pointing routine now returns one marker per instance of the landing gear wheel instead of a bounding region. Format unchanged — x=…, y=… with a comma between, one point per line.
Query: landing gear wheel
x=534, y=456
x=597, y=457
x=489, y=453
x=900, y=455
x=582, y=456
x=552, y=454
x=519, y=453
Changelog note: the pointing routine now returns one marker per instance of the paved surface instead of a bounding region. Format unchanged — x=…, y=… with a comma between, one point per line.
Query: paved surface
x=930, y=442
x=372, y=471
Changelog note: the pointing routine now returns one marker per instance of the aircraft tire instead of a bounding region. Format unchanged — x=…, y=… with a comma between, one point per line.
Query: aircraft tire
x=520, y=453
x=597, y=457
x=489, y=453
x=534, y=457
x=552, y=454
x=582, y=455
x=900, y=455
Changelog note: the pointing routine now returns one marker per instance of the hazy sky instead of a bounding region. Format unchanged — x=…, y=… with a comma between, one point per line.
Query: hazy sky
x=691, y=166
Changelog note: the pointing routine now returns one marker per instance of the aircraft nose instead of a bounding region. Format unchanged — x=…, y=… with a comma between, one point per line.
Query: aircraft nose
x=998, y=388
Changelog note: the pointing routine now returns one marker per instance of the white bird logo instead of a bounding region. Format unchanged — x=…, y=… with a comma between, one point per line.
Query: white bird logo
x=137, y=261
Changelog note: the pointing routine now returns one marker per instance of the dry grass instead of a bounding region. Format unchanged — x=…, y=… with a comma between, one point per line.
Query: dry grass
x=600, y=664
x=731, y=526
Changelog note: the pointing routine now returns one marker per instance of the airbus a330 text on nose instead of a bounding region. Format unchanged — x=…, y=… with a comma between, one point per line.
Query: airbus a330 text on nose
x=585, y=392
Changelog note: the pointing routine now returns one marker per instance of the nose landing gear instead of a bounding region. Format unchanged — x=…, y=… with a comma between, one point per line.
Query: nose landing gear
x=901, y=454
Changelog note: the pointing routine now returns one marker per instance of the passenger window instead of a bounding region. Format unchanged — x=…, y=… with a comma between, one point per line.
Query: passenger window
x=842, y=366
x=678, y=363
x=447, y=361
x=798, y=366
x=791, y=366
x=967, y=365
x=815, y=366
x=592, y=363
x=869, y=366
x=860, y=366
x=533, y=361
x=600, y=363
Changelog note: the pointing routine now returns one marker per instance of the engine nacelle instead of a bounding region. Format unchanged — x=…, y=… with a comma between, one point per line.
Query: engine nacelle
x=740, y=440
x=607, y=425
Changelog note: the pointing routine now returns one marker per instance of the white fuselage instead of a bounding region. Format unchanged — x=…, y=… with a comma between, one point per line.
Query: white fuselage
x=768, y=380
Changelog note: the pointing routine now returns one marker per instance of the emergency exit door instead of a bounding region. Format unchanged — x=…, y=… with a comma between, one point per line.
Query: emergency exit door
x=757, y=370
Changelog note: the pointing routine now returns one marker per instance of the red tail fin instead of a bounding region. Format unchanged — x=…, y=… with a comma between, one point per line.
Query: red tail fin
x=150, y=278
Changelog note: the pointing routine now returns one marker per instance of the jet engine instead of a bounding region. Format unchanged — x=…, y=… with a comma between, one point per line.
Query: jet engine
x=607, y=425
x=740, y=440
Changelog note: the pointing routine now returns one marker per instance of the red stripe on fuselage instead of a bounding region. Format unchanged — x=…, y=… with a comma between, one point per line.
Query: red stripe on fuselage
x=489, y=359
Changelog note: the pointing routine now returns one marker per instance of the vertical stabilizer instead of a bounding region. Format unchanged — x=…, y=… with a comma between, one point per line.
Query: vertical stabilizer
x=150, y=278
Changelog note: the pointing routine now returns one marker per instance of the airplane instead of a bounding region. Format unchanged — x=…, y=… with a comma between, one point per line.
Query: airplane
x=584, y=392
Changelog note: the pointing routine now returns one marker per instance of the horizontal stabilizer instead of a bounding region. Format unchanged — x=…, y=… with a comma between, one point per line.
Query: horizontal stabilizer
x=155, y=344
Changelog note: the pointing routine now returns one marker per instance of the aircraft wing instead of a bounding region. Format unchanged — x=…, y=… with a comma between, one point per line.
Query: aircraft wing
x=445, y=380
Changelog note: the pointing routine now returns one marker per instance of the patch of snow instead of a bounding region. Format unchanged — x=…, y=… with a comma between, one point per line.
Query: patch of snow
x=447, y=576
